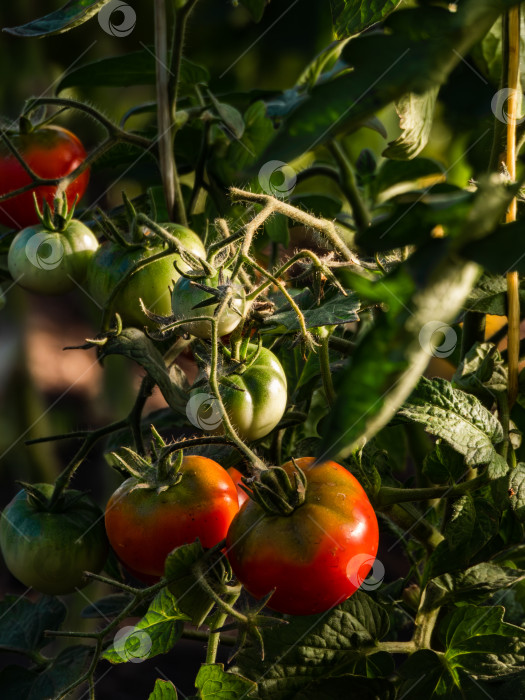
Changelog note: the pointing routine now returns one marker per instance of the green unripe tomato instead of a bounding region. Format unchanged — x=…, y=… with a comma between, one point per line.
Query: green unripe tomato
x=50, y=551
x=151, y=283
x=256, y=410
x=186, y=296
x=50, y=262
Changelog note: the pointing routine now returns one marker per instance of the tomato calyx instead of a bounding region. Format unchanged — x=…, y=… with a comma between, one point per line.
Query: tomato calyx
x=40, y=501
x=276, y=492
x=160, y=471
x=59, y=219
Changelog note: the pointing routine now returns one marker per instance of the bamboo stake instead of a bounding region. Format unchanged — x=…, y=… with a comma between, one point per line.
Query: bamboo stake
x=512, y=277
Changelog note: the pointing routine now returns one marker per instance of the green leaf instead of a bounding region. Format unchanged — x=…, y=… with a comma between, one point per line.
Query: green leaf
x=458, y=418
x=487, y=54
x=479, y=642
x=241, y=153
x=443, y=464
x=447, y=557
x=230, y=117
x=311, y=649
x=190, y=597
x=72, y=15
x=17, y=682
x=336, y=309
x=423, y=45
x=135, y=68
x=214, y=683
x=255, y=8
x=163, y=690
x=473, y=585
x=392, y=173
x=391, y=357
x=460, y=527
x=352, y=16
x=156, y=633
x=23, y=623
x=416, y=114
x=517, y=491
x=482, y=373
x=489, y=296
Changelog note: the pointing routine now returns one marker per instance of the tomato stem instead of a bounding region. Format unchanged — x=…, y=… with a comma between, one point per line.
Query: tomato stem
x=214, y=637
x=168, y=167
x=349, y=186
x=324, y=226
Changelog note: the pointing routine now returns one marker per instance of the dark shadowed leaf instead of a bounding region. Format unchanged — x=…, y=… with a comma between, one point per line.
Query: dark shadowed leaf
x=71, y=15
x=352, y=16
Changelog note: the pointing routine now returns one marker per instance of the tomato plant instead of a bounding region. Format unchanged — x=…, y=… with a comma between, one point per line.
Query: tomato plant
x=150, y=283
x=306, y=260
x=50, y=549
x=50, y=152
x=315, y=557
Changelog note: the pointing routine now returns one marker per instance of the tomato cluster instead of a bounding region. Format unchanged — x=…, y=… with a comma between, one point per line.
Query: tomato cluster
x=310, y=551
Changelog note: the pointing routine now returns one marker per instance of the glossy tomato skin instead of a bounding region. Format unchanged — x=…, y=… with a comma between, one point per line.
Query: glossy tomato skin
x=151, y=283
x=51, y=262
x=50, y=152
x=50, y=551
x=143, y=527
x=237, y=480
x=256, y=411
x=186, y=296
x=316, y=557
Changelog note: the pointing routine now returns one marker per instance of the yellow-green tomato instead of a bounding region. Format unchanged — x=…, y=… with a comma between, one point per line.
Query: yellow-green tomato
x=50, y=550
x=50, y=262
x=186, y=296
x=150, y=283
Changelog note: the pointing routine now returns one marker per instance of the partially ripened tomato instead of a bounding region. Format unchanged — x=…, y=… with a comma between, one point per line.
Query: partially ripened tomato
x=150, y=283
x=49, y=550
x=144, y=524
x=316, y=556
x=50, y=152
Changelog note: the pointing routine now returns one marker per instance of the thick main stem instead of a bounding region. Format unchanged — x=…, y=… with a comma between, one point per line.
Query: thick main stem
x=170, y=180
x=512, y=277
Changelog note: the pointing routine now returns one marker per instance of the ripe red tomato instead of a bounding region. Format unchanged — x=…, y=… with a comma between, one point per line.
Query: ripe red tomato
x=236, y=478
x=144, y=526
x=50, y=152
x=317, y=556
